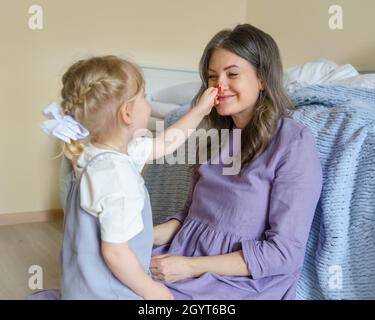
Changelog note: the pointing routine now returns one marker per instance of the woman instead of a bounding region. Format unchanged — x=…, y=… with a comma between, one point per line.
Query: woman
x=244, y=236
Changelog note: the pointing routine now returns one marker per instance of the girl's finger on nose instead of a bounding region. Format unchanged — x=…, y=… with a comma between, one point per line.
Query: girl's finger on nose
x=218, y=87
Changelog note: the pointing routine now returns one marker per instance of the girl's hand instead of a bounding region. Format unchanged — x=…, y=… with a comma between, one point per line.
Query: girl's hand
x=159, y=292
x=171, y=268
x=207, y=100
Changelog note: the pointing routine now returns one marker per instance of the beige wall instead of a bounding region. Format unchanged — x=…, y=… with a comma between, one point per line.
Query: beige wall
x=161, y=32
x=301, y=29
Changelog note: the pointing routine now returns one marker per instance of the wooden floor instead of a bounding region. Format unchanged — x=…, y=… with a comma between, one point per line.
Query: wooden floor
x=25, y=245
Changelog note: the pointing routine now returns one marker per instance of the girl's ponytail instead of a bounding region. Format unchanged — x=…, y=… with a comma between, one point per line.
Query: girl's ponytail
x=73, y=150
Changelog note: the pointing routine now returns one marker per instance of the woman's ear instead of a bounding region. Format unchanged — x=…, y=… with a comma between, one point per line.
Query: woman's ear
x=126, y=114
x=260, y=83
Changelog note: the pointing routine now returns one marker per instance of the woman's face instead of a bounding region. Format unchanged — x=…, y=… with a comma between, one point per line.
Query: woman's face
x=240, y=85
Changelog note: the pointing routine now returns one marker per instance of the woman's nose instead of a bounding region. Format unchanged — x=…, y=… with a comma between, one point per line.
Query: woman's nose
x=223, y=85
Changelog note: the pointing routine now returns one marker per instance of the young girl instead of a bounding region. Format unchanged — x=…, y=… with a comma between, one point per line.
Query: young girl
x=108, y=222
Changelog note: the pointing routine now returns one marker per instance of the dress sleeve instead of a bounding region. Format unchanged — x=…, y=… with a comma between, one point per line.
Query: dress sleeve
x=181, y=215
x=139, y=150
x=294, y=196
x=111, y=190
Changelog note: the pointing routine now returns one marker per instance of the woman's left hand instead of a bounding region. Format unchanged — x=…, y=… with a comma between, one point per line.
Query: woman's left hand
x=171, y=268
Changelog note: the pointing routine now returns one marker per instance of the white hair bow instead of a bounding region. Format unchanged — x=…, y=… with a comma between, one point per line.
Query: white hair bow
x=61, y=126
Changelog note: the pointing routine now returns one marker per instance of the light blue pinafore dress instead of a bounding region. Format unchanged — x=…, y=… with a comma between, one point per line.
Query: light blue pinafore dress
x=85, y=274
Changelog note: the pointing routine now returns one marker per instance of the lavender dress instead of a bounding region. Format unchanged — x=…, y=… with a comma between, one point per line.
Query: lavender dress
x=266, y=212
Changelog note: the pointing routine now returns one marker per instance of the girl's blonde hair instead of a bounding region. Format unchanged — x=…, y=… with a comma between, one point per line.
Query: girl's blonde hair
x=94, y=91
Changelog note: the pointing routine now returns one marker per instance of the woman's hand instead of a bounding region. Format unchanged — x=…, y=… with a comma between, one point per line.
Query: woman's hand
x=164, y=233
x=207, y=100
x=171, y=268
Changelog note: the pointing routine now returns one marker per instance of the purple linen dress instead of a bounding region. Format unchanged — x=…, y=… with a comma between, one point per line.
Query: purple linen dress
x=266, y=211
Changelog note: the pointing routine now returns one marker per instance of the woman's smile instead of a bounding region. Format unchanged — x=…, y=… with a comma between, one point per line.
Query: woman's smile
x=225, y=98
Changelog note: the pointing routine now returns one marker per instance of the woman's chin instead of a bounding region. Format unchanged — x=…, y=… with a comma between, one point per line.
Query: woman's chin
x=222, y=111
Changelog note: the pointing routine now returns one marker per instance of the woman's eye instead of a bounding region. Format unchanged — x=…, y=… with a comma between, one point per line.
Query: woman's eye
x=232, y=75
x=211, y=77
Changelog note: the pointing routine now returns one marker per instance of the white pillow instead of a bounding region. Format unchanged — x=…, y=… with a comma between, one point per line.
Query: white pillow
x=366, y=81
x=309, y=72
x=179, y=94
x=316, y=72
x=161, y=109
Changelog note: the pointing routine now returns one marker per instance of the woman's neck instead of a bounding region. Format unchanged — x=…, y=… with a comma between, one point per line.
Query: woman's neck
x=242, y=119
x=240, y=122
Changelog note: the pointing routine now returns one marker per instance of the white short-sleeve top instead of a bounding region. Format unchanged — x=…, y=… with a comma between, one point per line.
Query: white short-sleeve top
x=112, y=188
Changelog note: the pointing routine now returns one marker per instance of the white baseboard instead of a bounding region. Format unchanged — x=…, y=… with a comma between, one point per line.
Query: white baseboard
x=29, y=217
